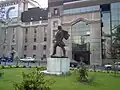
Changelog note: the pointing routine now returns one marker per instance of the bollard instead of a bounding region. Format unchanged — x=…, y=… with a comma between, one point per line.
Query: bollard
x=94, y=68
x=5, y=63
x=28, y=63
x=17, y=63
x=39, y=63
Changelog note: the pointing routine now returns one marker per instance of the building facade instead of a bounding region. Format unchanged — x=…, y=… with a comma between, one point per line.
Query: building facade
x=10, y=14
x=35, y=41
x=23, y=39
x=90, y=24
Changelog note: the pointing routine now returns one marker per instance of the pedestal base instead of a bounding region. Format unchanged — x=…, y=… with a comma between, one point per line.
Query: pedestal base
x=57, y=65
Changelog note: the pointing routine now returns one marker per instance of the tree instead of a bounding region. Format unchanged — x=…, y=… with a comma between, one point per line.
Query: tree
x=83, y=73
x=115, y=49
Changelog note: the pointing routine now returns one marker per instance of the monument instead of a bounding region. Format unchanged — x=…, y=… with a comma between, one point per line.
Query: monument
x=61, y=34
x=59, y=64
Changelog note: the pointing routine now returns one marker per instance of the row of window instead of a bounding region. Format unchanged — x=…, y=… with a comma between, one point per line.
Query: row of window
x=34, y=47
x=26, y=30
x=34, y=56
x=81, y=10
x=35, y=39
x=35, y=30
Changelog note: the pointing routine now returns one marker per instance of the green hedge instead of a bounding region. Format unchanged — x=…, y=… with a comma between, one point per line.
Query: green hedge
x=102, y=71
x=22, y=66
x=7, y=67
x=44, y=68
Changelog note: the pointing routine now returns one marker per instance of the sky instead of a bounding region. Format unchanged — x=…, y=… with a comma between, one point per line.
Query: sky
x=43, y=3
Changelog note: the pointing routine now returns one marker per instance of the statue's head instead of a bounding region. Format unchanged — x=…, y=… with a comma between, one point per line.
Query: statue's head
x=59, y=28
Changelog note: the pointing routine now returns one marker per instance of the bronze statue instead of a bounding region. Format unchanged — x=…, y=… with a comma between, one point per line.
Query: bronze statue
x=61, y=34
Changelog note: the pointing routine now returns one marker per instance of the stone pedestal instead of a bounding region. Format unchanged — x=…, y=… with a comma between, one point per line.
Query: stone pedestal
x=57, y=65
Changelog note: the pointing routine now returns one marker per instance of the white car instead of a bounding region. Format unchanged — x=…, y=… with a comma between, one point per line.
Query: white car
x=27, y=59
x=108, y=66
x=117, y=65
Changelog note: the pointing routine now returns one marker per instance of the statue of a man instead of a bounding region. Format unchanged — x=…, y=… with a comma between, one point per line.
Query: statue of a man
x=61, y=34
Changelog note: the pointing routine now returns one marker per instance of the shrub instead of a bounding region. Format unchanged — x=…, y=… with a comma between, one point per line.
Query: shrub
x=1, y=67
x=41, y=68
x=72, y=69
x=34, y=81
x=104, y=71
x=91, y=71
x=7, y=66
x=111, y=72
x=13, y=66
x=83, y=73
x=22, y=66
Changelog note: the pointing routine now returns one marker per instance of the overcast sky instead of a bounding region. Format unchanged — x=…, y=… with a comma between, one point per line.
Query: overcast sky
x=43, y=3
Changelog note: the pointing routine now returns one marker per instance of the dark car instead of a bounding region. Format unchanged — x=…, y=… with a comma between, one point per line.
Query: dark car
x=2, y=59
x=74, y=63
x=6, y=59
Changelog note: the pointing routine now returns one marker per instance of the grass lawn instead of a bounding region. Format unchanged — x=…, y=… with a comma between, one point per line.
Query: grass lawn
x=102, y=81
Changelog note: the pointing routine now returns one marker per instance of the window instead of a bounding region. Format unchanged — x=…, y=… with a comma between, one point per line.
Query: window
x=35, y=30
x=13, y=40
x=35, y=40
x=34, y=56
x=12, y=48
x=105, y=7
x=44, y=47
x=26, y=40
x=45, y=38
x=34, y=47
x=13, y=36
x=25, y=55
x=25, y=47
x=13, y=30
x=55, y=24
x=44, y=56
x=45, y=32
x=6, y=31
x=4, y=47
x=41, y=58
x=56, y=11
x=81, y=10
x=26, y=30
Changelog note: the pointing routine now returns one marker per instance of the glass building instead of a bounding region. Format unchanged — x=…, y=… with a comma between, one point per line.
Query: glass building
x=110, y=18
x=95, y=21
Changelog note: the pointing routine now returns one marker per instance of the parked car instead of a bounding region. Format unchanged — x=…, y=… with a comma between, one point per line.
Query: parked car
x=6, y=59
x=108, y=66
x=28, y=59
x=117, y=66
x=74, y=63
